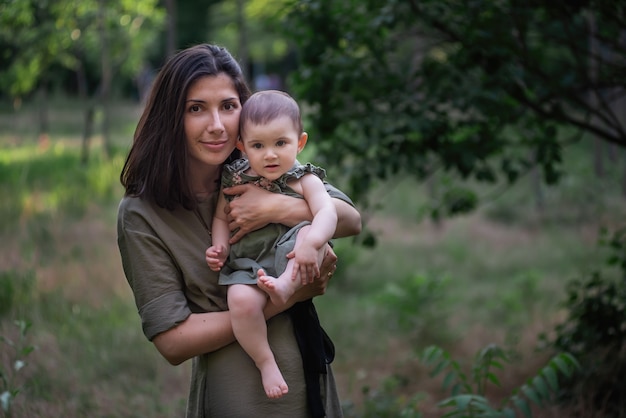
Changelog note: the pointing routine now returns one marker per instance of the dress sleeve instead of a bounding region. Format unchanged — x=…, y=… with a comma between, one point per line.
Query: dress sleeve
x=335, y=193
x=300, y=170
x=152, y=273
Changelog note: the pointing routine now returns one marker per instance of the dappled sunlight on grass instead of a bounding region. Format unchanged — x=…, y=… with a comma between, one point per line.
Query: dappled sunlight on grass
x=52, y=181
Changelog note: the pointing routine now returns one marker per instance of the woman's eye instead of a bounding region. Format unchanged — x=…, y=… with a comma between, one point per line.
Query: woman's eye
x=194, y=108
x=230, y=106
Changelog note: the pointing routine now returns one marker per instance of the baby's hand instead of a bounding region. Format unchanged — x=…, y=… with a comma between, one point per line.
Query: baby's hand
x=215, y=257
x=305, y=265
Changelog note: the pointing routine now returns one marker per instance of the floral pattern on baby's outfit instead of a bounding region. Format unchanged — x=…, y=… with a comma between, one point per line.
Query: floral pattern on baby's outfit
x=234, y=174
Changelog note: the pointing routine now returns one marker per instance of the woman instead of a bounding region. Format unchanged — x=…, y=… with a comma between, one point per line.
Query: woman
x=187, y=131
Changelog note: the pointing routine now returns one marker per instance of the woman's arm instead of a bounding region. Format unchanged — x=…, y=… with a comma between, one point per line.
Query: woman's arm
x=205, y=332
x=255, y=207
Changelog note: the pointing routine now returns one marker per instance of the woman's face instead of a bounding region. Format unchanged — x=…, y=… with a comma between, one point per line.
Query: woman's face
x=211, y=120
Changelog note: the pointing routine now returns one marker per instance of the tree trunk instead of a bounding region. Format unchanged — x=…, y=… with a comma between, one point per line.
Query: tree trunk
x=594, y=51
x=624, y=173
x=83, y=95
x=242, y=48
x=43, y=116
x=537, y=186
x=105, y=86
x=170, y=41
x=87, y=132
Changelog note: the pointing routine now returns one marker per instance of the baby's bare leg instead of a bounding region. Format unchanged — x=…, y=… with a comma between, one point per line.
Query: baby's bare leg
x=246, y=303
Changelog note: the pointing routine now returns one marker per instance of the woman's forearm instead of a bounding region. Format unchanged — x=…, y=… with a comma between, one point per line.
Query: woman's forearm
x=348, y=219
x=202, y=333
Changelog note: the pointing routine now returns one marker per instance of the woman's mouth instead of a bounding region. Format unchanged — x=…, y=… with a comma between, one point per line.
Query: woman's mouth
x=214, y=145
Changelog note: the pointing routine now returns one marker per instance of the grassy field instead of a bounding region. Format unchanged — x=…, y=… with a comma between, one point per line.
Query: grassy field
x=495, y=276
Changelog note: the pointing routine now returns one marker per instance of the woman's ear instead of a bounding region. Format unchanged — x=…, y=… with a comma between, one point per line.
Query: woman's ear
x=302, y=141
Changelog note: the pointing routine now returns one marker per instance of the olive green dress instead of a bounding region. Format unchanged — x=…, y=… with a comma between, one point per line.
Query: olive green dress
x=162, y=254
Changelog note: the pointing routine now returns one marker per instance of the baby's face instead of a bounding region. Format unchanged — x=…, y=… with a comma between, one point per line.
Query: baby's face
x=272, y=148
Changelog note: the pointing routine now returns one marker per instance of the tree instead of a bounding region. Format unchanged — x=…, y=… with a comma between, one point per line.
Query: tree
x=94, y=38
x=29, y=45
x=483, y=90
x=250, y=29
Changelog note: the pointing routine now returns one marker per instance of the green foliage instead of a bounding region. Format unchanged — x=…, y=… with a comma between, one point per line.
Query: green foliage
x=385, y=404
x=15, y=290
x=480, y=90
x=468, y=390
x=418, y=306
x=19, y=350
x=44, y=183
x=36, y=36
x=595, y=332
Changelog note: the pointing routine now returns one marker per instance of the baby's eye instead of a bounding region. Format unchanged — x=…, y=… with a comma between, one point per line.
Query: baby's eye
x=257, y=146
x=281, y=143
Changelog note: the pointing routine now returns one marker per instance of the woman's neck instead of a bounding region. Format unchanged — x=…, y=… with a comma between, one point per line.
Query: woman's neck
x=206, y=182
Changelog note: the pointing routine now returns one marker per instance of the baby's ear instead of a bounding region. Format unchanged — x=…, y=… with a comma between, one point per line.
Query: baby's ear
x=239, y=145
x=302, y=141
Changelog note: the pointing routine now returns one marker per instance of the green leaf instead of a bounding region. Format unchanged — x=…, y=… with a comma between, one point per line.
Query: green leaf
x=497, y=364
x=439, y=367
x=493, y=379
x=551, y=377
x=27, y=350
x=522, y=405
x=456, y=389
x=431, y=353
x=508, y=413
x=531, y=394
x=462, y=401
x=566, y=363
x=449, y=379
x=540, y=387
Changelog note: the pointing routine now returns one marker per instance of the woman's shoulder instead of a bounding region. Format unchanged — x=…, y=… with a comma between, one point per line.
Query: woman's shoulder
x=138, y=213
x=132, y=210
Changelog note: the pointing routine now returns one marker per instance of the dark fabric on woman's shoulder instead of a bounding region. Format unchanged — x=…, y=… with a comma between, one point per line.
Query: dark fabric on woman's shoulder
x=337, y=194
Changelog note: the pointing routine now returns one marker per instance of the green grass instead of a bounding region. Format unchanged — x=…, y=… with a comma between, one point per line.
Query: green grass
x=495, y=275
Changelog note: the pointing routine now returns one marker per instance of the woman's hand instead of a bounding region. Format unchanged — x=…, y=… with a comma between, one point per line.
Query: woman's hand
x=318, y=286
x=252, y=209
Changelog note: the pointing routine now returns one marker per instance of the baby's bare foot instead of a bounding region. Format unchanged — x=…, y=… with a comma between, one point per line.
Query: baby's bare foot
x=278, y=289
x=273, y=381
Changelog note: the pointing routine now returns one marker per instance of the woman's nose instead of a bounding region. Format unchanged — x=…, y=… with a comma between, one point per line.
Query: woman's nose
x=214, y=123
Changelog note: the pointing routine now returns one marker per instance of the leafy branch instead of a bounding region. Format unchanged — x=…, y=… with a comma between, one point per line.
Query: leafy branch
x=468, y=392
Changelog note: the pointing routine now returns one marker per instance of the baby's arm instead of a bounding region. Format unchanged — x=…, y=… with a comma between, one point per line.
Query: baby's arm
x=321, y=231
x=217, y=253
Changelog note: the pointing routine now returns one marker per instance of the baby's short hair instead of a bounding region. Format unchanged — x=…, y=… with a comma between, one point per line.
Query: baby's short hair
x=266, y=105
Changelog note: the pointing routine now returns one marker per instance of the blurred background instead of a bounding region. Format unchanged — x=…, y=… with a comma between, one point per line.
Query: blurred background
x=484, y=143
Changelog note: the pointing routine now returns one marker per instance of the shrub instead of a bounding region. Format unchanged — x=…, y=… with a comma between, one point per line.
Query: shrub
x=468, y=399
x=595, y=332
x=15, y=289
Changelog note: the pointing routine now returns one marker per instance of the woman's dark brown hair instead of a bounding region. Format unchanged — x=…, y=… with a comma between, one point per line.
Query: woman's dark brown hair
x=155, y=168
